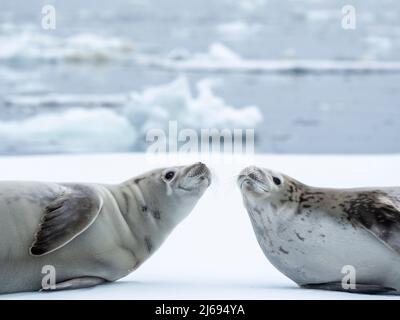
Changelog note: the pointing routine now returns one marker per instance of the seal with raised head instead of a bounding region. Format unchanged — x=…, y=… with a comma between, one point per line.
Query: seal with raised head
x=332, y=239
x=90, y=233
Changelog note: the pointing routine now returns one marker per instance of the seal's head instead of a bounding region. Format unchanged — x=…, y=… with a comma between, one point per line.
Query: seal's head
x=173, y=192
x=187, y=180
x=263, y=184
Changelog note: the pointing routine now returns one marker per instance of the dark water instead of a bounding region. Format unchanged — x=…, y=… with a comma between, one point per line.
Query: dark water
x=102, y=52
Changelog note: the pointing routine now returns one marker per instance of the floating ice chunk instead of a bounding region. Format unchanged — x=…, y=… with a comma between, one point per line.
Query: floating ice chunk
x=217, y=57
x=155, y=106
x=94, y=47
x=221, y=52
x=30, y=44
x=220, y=58
x=75, y=130
x=215, y=112
x=124, y=125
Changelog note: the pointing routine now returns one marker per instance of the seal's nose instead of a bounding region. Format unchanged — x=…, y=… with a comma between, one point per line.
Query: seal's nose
x=251, y=177
x=251, y=172
x=199, y=172
x=200, y=165
x=198, y=169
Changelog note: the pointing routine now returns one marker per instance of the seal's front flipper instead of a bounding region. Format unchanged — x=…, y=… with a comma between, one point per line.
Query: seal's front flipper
x=360, y=288
x=66, y=217
x=379, y=214
x=77, y=283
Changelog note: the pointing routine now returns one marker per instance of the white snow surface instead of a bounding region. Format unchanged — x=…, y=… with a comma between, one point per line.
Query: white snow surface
x=213, y=253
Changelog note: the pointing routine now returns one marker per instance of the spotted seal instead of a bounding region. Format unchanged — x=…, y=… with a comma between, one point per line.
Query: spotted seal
x=90, y=233
x=314, y=235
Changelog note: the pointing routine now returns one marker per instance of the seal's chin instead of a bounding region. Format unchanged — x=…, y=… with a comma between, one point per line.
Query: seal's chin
x=195, y=177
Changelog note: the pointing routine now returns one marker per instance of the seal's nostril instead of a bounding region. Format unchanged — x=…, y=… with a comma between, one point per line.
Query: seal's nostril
x=198, y=169
x=252, y=170
x=201, y=165
x=253, y=176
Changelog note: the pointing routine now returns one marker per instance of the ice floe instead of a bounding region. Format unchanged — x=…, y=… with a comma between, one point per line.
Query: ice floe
x=220, y=58
x=98, y=123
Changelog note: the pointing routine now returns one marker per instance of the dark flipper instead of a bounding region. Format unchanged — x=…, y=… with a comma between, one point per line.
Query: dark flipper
x=77, y=283
x=378, y=213
x=66, y=217
x=360, y=288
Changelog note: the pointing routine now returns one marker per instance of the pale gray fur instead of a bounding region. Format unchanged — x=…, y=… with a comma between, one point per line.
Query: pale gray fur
x=310, y=234
x=123, y=234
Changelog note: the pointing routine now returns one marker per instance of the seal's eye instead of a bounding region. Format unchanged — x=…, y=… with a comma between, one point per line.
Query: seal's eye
x=276, y=180
x=169, y=175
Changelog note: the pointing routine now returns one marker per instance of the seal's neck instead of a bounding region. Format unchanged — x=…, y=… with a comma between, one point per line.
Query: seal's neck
x=142, y=220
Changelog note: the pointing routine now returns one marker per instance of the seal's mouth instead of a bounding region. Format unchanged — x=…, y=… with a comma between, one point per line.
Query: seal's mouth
x=194, y=176
x=252, y=180
x=249, y=184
